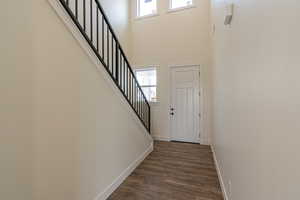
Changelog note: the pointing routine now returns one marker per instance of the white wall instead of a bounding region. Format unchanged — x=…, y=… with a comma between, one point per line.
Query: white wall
x=179, y=38
x=84, y=135
x=256, y=99
x=16, y=72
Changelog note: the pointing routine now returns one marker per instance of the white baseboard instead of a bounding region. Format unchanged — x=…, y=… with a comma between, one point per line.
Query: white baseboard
x=219, y=174
x=118, y=181
x=159, y=138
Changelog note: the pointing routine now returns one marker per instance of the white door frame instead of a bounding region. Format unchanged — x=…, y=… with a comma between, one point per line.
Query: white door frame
x=201, y=104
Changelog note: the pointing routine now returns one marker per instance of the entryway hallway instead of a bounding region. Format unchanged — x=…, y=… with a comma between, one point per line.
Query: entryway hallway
x=173, y=171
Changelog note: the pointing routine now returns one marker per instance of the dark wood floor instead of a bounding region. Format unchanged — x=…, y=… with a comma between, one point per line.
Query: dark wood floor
x=173, y=171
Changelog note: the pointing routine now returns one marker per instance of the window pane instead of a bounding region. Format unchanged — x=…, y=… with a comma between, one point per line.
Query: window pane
x=150, y=93
x=146, y=7
x=146, y=77
x=180, y=3
x=147, y=80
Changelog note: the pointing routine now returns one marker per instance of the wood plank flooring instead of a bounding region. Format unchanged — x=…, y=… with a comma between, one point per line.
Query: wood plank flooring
x=173, y=171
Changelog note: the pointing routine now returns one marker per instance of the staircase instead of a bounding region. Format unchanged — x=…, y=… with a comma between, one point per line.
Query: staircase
x=92, y=22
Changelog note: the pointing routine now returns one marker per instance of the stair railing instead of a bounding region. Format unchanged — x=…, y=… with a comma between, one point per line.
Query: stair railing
x=93, y=23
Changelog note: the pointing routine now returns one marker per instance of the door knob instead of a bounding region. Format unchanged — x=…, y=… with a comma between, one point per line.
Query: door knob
x=171, y=113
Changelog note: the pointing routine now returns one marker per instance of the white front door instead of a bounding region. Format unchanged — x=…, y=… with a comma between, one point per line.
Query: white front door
x=184, y=109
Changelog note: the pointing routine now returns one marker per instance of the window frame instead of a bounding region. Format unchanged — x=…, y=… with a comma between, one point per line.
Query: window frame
x=181, y=8
x=138, y=16
x=138, y=69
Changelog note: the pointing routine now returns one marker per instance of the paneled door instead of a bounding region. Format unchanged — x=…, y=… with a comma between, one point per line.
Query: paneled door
x=185, y=101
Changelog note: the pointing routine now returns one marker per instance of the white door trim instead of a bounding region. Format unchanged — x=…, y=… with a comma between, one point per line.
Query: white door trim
x=202, y=139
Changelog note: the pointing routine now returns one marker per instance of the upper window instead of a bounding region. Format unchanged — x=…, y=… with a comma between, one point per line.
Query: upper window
x=146, y=7
x=147, y=80
x=176, y=4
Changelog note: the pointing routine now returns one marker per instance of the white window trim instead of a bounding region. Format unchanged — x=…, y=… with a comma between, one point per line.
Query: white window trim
x=170, y=10
x=137, y=15
x=146, y=16
x=146, y=69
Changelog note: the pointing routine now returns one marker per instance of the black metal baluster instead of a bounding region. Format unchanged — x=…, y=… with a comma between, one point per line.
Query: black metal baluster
x=84, y=17
x=137, y=97
x=140, y=103
x=108, y=52
x=103, y=38
x=112, y=56
x=143, y=109
x=129, y=86
x=126, y=79
x=67, y=1
x=138, y=100
x=134, y=94
x=128, y=92
x=97, y=11
x=146, y=114
x=121, y=70
x=132, y=91
x=117, y=63
x=140, y=111
x=91, y=19
x=124, y=76
x=129, y=77
x=149, y=119
x=76, y=9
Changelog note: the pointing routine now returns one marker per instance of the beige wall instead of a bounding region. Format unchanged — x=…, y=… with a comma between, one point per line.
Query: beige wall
x=16, y=72
x=59, y=138
x=179, y=38
x=256, y=99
